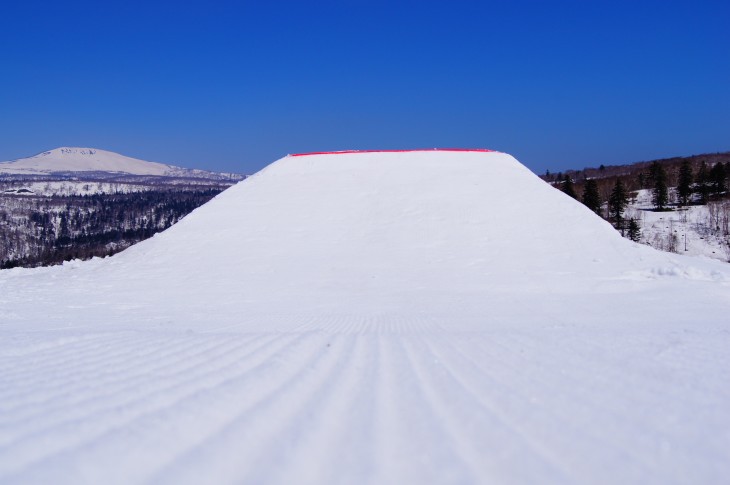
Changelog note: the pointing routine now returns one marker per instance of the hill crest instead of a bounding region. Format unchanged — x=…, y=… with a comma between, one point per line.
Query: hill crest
x=65, y=160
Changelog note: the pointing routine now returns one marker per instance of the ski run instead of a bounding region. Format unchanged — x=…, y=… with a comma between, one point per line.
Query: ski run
x=371, y=318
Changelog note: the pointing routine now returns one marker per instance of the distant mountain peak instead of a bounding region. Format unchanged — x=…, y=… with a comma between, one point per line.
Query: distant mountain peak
x=87, y=160
x=71, y=151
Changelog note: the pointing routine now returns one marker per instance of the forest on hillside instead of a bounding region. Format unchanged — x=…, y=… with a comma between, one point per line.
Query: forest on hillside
x=635, y=176
x=681, y=184
x=41, y=229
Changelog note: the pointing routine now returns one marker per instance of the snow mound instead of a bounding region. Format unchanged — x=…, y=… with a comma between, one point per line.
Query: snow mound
x=381, y=230
x=368, y=232
x=371, y=317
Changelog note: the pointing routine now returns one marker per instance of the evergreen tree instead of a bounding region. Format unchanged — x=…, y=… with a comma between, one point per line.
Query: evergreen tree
x=617, y=202
x=634, y=232
x=568, y=187
x=64, y=224
x=702, y=187
x=591, y=198
x=660, y=194
x=684, y=185
x=717, y=179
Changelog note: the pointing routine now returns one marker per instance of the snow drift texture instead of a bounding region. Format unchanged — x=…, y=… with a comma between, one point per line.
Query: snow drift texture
x=426, y=316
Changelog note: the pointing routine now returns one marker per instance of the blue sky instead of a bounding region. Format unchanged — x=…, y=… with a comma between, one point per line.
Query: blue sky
x=233, y=86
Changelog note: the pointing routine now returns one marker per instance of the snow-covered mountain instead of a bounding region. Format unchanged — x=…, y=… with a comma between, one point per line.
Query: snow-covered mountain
x=395, y=317
x=92, y=160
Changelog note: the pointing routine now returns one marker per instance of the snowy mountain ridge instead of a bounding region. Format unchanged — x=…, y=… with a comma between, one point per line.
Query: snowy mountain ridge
x=65, y=160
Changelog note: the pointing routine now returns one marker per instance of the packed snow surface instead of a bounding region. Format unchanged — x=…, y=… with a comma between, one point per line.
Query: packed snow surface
x=414, y=317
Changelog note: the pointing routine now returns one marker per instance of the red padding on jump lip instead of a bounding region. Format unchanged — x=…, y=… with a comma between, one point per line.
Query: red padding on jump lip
x=395, y=151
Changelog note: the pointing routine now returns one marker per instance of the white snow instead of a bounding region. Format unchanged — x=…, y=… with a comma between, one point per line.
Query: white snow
x=416, y=317
x=74, y=159
x=695, y=230
x=67, y=188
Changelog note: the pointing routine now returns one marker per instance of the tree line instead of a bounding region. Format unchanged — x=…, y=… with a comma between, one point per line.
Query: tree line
x=693, y=186
x=41, y=231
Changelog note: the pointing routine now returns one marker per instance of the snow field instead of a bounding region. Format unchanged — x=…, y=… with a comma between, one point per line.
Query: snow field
x=417, y=317
x=692, y=226
x=69, y=188
x=314, y=406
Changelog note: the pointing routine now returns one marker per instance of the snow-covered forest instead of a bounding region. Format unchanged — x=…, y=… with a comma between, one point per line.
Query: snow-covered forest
x=48, y=222
x=680, y=205
x=77, y=203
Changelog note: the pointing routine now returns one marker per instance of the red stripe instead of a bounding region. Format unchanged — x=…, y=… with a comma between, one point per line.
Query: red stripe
x=483, y=150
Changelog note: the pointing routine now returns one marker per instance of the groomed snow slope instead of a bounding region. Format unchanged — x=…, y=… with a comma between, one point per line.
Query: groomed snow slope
x=414, y=317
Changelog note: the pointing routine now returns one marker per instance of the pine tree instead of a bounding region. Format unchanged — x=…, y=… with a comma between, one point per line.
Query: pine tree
x=634, y=232
x=591, y=198
x=684, y=185
x=702, y=187
x=568, y=187
x=660, y=194
x=617, y=202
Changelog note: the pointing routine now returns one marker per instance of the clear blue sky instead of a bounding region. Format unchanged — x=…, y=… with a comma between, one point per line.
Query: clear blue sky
x=236, y=85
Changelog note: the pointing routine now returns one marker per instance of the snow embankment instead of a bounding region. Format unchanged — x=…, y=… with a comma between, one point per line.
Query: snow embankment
x=403, y=317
